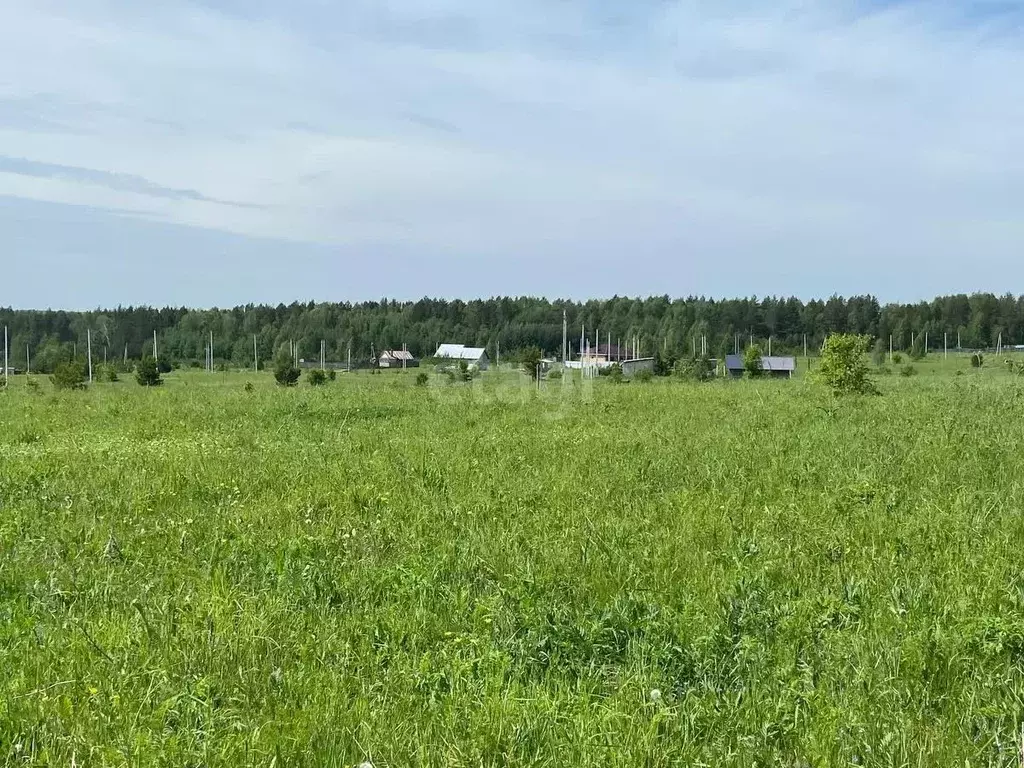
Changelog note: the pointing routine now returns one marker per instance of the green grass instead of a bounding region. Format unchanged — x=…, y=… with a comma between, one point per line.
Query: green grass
x=488, y=575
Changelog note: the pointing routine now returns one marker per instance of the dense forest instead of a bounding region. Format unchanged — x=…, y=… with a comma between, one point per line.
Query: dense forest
x=660, y=323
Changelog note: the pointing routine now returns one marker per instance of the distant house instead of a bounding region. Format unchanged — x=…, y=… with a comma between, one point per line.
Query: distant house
x=474, y=356
x=397, y=358
x=603, y=353
x=631, y=368
x=772, y=366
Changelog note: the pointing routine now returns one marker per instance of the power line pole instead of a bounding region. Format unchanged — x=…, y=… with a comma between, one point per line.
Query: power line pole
x=7, y=373
x=88, y=341
x=156, y=353
x=255, y=355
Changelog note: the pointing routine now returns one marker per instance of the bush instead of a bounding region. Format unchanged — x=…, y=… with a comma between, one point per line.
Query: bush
x=752, y=362
x=613, y=372
x=286, y=374
x=897, y=358
x=332, y=375
x=977, y=360
x=249, y=387
x=697, y=369
x=164, y=366
x=664, y=363
x=422, y=379
x=316, y=377
x=643, y=376
x=555, y=376
x=147, y=373
x=530, y=360
x=842, y=367
x=32, y=384
x=907, y=371
x=107, y=373
x=69, y=376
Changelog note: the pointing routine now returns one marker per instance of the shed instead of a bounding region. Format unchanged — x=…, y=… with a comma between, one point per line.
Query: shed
x=474, y=356
x=771, y=365
x=397, y=358
x=632, y=367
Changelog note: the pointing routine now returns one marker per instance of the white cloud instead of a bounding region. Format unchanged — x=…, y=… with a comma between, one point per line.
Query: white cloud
x=761, y=133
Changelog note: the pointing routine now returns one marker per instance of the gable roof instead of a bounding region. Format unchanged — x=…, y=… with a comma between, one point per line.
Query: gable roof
x=460, y=352
x=397, y=354
x=773, y=363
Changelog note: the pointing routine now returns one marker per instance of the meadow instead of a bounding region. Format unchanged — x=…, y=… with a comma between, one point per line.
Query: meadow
x=739, y=573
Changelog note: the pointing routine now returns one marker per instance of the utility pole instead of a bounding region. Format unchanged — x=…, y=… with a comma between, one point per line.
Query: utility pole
x=565, y=336
x=255, y=355
x=28, y=361
x=945, y=346
x=350, y=355
x=88, y=341
x=156, y=353
x=7, y=374
x=890, y=349
x=805, y=345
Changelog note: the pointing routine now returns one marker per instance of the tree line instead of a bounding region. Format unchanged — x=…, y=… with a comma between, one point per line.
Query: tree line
x=659, y=323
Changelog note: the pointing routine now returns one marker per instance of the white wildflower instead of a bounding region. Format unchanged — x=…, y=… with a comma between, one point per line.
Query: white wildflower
x=656, y=696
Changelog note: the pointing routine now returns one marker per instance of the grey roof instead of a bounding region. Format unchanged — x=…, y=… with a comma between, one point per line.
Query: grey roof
x=773, y=363
x=460, y=352
x=397, y=354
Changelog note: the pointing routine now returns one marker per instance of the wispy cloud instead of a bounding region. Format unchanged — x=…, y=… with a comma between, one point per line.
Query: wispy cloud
x=119, y=182
x=737, y=146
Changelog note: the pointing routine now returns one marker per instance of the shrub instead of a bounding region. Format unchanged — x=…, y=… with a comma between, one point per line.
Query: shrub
x=843, y=368
x=554, y=376
x=530, y=359
x=147, y=373
x=613, y=372
x=107, y=373
x=977, y=360
x=164, y=366
x=643, y=376
x=286, y=374
x=664, y=363
x=422, y=379
x=752, y=363
x=332, y=375
x=697, y=369
x=69, y=376
x=316, y=377
x=249, y=387
x=907, y=371
x=878, y=353
x=32, y=384
x=897, y=358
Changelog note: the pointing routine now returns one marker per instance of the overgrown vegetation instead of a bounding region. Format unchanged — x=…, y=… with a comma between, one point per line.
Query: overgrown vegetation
x=530, y=361
x=147, y=373
x=316, y=377
x=753, y=362
x=500, y=576
x=285, y=372
x=843, y=366
x=70, y=375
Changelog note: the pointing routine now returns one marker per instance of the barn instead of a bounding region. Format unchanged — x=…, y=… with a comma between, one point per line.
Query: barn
x=397, y=358
x=475, y=357
x=771, y=366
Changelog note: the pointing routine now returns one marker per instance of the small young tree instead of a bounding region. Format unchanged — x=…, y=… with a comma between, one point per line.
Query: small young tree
x=752, y=363
x=285, y=373
x=147, y=373
x=530, y=359
x=878, y=353
x=69, y=375
x=977, y=360
x=316, y=377
x=843, y=367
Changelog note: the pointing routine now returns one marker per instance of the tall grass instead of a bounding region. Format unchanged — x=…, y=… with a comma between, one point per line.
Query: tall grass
x=662, y=574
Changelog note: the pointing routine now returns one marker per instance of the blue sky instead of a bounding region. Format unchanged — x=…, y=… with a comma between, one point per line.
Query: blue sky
x=214, y=152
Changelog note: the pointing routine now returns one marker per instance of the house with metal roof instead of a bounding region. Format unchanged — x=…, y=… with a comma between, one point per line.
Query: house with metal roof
x=772, y=366
x=397, y=358
x=474, y=356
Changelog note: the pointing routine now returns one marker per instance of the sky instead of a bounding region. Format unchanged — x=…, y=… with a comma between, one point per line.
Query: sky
x=220, y=152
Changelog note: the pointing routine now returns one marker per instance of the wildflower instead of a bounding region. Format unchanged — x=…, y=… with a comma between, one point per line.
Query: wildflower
x=655, y=696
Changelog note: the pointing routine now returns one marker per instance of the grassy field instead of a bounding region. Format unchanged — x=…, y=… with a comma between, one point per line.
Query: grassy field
x=741, y=573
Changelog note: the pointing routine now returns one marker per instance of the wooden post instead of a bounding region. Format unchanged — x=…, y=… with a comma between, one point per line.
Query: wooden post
x=7, y=373
x=88, y=342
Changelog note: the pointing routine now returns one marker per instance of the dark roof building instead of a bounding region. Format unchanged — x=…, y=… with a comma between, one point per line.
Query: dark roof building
x=774, y=366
